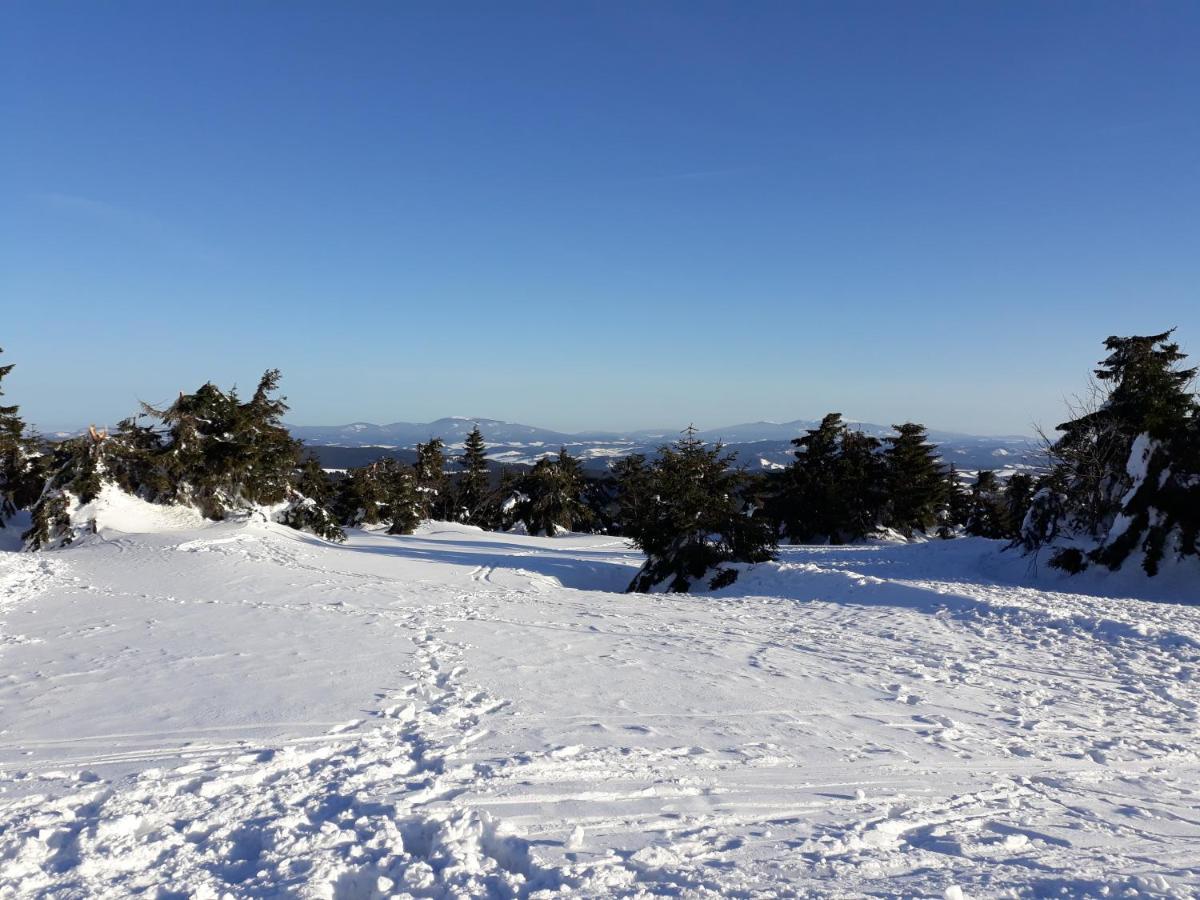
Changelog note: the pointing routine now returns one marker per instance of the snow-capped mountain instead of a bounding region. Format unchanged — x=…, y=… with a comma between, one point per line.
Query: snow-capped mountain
x=759, y=445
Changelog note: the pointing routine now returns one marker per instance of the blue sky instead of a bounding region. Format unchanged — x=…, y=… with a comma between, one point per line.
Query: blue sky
x=594, y=215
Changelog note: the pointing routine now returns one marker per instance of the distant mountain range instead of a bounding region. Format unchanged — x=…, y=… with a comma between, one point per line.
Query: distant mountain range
x=759, y=445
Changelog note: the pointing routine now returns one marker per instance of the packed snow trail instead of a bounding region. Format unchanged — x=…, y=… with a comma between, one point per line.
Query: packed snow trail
x=241, y=710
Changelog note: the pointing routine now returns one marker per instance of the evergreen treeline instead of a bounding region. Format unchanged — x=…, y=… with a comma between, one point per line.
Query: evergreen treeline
x=1123, y=480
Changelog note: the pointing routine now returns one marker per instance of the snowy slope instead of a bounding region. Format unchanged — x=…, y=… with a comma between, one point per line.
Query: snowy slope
x=241, y=709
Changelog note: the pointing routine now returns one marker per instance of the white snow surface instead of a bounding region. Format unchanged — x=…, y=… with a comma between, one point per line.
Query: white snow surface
x=241, y=710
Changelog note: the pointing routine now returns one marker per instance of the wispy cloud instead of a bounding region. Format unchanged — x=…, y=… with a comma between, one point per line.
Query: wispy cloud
x=133, y=224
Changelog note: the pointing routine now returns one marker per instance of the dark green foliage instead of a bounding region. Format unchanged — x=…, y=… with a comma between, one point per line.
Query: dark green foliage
x=366, y=495
x=550, y=496
x=18, y=453
x=210, y=451
x=600, y=497
x=77, y=468
x=474, y=500
x=1126, y=471
x=1018, y=497
x=916, y=484
x=432, y=485
x=221, y=454
x=986, y=511
x=958, y=505
x=692, y=520
x=635, y=493
x=311, y=510
x=833, y=491
x=404, y=509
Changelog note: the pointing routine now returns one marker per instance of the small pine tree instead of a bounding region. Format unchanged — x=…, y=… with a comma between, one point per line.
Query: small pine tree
x=635, y=493
x=986, y=513
x=833, y=491
x=473, y=495
x=77, y=473
x=405, y=510
x=431, y=481
x=916, y=483
x=696, y=522
x=18, y=476
x=958, y=504
x=552, y=494
x=1018, y=496
x=311, y=503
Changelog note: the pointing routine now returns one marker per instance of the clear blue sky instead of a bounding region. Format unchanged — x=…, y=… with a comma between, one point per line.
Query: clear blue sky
x=594, y=214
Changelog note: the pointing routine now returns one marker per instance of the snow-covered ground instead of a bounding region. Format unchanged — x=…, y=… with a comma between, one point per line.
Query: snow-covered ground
x=238, y=709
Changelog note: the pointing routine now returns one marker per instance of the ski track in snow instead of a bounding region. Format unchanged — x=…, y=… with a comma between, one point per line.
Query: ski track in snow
x=454, y=714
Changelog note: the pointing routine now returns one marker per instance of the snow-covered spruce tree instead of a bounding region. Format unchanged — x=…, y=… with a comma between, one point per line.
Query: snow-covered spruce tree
x=696, y=521
x=916, y=484
x=986, y=511
x=552, y=496
x=18, y=460
x=1018, y=495
x=1126, y=476
x=366, y=495
x=958, y=505
x=473, y=497
x=431, y=482
x=210, y=451
x=312, y=509
x=832, y=493
x=77, y=471
x=404, y=509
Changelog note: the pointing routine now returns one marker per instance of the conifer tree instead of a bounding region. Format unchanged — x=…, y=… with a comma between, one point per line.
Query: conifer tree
x=18, y=481
x=431, y=480
x=833, y=492
x=696, y=522
x=1018, y=496
x=1126, y=471
x=404, y=509
x=916, y=483
x=311, y=509
x=958, y=504
x=77, y=467
x=635, y=493
x=210, y=451
x=986, y=511
x=552, y=494
x=473, y=494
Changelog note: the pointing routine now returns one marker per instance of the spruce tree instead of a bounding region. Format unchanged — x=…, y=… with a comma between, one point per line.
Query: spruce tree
x=404, y=507
x=916, y=483
x=958, y=504
x=552, y=494
x=473, y=495
x=833, y=492
x=209, y=450
x=18, y=481
x=635, y=493
x=312, y=505
x=1126, y=473
x=986, y=511
x=696, y=522
x=1018, y=496
x=431, y=481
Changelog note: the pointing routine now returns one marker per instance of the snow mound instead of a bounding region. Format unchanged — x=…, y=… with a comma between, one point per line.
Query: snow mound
x=113, y=510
